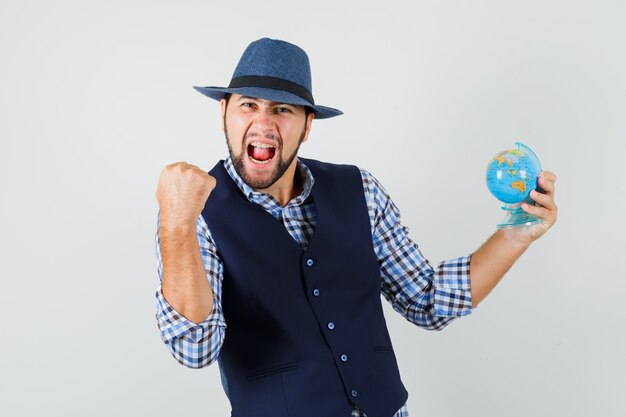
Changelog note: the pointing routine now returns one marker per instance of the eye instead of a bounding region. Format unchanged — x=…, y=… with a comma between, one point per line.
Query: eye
x=248, y=105
x=283, y=109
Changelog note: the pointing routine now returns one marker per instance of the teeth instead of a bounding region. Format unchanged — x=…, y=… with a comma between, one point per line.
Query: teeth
x=256, y=161
x=262, y=145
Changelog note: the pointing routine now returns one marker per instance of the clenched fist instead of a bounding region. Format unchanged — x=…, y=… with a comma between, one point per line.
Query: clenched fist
x=182, y=192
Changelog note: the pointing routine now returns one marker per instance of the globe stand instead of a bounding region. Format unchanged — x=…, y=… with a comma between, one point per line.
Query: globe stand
x=517, y=217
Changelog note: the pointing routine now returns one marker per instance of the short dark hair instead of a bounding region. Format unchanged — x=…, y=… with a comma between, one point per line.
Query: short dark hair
x=307, y=110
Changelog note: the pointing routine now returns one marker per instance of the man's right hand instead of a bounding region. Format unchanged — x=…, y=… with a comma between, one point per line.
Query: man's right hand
x=182, y=192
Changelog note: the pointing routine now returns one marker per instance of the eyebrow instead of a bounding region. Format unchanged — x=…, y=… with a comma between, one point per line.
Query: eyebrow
x=273, y=103
x=241, y=98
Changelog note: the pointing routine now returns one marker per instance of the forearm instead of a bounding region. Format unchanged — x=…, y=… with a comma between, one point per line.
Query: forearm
x=184, y=282
x=491, y=261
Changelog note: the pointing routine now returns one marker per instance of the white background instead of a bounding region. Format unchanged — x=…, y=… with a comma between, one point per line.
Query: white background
x=96, y=97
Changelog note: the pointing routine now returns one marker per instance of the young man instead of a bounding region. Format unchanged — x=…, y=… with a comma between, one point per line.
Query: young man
x=292, y=255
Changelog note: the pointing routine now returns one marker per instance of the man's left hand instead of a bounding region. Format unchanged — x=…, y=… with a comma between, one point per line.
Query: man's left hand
x=544, y=208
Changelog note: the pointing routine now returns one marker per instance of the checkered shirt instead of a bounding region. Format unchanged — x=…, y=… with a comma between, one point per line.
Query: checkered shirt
x=429, y=298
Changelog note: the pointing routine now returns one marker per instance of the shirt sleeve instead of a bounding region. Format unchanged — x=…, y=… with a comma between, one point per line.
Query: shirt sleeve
x=426, y=297
x=193, y=345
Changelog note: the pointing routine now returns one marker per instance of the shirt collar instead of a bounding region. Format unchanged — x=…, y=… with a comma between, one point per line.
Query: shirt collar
x=257, y=196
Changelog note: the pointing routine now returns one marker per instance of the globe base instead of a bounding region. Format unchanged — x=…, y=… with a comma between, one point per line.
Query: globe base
x=516, y=217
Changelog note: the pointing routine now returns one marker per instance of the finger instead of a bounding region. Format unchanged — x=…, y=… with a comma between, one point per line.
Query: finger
x=546, y=181
x=541, y=212
x=548, y=175
x=545, y=200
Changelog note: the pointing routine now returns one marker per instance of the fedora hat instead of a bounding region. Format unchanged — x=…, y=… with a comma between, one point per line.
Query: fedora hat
x=274, y=70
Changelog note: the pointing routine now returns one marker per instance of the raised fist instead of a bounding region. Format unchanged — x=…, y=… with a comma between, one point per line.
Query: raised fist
x=182, y=192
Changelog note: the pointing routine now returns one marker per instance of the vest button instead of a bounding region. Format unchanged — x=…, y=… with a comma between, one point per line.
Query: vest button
x=344, y=358
x=309, y=262
x=354, y=393
x=316, y=292
x=331, y=325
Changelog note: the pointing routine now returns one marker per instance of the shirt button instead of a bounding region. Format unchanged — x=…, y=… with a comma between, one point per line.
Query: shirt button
x=344, y=358
x=316, y=292
x=331, y=325
x=354, y=393
x=309, y=262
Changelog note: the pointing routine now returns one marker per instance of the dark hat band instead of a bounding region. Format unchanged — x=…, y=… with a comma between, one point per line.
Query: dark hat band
x=272, y=82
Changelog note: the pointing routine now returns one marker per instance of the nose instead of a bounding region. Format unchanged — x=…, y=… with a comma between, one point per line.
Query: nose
x=264, y=121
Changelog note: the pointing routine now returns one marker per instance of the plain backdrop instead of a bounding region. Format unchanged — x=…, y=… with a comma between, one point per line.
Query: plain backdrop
x=96, y=97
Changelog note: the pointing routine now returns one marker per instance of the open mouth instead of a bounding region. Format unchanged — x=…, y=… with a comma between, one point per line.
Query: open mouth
x=261, y=153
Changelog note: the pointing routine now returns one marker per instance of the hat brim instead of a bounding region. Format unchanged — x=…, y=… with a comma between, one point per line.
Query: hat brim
x=217, y=93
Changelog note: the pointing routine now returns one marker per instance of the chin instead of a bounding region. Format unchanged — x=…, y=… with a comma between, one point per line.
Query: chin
x=259, y=180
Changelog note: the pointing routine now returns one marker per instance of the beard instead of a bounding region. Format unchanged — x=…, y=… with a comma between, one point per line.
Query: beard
x=280, y=169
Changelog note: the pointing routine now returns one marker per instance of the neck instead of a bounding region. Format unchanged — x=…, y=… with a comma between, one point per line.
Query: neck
x=287, y=187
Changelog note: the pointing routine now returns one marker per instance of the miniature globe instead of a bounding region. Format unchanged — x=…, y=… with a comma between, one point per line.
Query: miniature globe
x=511, y=175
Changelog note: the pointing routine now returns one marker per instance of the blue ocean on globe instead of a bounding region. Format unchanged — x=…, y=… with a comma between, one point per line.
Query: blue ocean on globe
x=512, y=174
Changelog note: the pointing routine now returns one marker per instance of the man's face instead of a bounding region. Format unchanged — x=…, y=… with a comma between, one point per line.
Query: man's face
x=263, y=137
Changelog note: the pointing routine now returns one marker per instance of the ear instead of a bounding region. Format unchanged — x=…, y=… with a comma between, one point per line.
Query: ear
x=309, y=123
x=223, y=107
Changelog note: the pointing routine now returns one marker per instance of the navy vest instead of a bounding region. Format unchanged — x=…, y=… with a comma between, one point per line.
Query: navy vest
x=306, y=334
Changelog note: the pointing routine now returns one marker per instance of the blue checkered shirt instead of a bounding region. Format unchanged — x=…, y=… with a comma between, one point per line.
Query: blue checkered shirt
x=426, y=297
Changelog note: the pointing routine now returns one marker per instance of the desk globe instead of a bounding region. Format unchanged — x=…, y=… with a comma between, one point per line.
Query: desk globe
x=511, y=175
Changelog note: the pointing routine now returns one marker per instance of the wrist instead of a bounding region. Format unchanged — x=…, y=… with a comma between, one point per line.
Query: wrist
x=514, y=239
x=174, y=223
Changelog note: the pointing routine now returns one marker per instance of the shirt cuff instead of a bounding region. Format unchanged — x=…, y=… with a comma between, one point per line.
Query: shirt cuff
x=453, y=297
x=174, y=325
